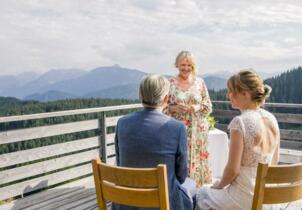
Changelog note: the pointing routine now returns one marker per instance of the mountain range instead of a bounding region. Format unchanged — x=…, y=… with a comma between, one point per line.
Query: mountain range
x=102, y=82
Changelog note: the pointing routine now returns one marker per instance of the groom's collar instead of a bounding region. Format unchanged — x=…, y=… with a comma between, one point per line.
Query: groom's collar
x=151, y=109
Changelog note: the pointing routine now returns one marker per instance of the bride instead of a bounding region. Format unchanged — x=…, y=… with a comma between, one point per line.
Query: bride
x=254, y=138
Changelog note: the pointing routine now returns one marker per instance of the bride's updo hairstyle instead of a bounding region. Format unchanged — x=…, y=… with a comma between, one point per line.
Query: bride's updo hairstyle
x=249, y=80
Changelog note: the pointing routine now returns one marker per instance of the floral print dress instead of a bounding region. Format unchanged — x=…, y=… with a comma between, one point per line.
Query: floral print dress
x=197, y=127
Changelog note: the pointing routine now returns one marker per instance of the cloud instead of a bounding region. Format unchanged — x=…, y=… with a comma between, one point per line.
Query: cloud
x=147, y=35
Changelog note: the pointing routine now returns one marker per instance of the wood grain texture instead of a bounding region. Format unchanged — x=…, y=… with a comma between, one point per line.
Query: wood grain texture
x=47, y=151
x=42, y=182
x=46, y=166
x=46, y=131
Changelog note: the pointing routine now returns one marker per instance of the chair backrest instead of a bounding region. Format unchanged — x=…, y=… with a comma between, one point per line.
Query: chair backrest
x=277, y=184
x=140, y=187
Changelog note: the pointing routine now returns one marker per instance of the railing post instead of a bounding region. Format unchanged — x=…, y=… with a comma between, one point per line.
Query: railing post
x=103, y=142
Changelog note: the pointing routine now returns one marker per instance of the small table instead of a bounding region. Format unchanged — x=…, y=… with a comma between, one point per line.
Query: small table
x=218, y=151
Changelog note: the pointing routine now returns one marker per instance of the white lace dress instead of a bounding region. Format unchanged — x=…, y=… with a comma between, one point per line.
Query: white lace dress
x=239, y=194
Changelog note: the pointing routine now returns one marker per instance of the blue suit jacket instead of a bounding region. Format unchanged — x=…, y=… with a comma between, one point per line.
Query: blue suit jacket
x=148, y=138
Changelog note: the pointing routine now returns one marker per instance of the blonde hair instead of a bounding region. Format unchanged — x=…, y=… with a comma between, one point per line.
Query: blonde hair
x=186, y=55
x=153, y=88
x=249, y=80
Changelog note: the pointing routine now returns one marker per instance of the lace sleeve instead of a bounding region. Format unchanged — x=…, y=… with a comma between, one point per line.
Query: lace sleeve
x=236, y=124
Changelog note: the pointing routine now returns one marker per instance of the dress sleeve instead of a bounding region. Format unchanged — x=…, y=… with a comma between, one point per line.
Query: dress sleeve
x=237, y=124
x=166, y=109
x=205, y=104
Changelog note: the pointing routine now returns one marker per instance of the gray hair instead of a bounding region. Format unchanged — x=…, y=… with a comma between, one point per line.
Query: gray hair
x=152, y=90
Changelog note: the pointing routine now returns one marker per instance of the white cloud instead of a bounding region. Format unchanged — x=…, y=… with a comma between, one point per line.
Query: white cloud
x=147, y=35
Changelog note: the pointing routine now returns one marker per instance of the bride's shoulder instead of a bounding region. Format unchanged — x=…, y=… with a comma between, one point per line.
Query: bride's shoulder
x=250, y=116
x=270, y=116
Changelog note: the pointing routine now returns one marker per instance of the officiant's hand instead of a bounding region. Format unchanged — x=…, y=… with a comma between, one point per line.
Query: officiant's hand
x=193, y=108
x=180, y=108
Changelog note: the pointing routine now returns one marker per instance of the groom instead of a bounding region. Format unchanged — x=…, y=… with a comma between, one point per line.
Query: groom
x=148, y=138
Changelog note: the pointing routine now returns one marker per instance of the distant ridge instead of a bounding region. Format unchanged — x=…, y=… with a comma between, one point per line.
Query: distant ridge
x=113, y=82
x=215, y=83
x=129, y=91
x=43, y=82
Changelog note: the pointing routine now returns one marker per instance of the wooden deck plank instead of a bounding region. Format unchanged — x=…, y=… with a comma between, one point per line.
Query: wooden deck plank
x=81, y=202
x=65, y=200
x=44, y=196
x=35, y=199
x=55, y=200
x=87, y=206
x=44, y=181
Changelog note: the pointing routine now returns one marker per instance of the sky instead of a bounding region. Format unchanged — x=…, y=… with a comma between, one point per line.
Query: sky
x=223, y=35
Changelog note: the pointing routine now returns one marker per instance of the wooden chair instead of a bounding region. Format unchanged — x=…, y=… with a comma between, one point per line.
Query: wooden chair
x=277, y=184
x=140, y=187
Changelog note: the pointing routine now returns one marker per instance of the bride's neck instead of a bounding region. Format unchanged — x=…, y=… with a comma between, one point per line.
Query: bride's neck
x=250, y=106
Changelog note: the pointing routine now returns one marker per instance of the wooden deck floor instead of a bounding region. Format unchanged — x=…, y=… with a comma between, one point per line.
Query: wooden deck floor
x=79, y=195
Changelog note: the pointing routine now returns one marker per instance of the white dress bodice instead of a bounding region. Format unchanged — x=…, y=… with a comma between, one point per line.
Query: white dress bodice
x=248, y=123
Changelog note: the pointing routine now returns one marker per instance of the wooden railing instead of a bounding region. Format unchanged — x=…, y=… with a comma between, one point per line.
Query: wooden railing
x=30, y=170
x=25, y=171
x=289, y=117
x=290, y=138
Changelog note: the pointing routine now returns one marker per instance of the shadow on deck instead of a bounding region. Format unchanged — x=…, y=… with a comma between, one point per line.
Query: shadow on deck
x=79, y=195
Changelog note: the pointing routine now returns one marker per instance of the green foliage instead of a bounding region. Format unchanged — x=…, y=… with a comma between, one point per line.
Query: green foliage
x=285, y=88
x=211, y=121
x=219, y=95
x=12, y=106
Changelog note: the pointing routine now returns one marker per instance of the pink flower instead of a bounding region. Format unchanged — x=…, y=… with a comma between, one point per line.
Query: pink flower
x=172, y=99
x=203, y=155
x=187, y=122
x=202, y=128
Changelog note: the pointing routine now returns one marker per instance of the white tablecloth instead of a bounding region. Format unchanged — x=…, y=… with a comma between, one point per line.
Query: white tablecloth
x=218, y=151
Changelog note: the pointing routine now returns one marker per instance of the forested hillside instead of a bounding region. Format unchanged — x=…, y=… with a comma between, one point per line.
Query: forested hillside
x=285, y=88
x=12, y=106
